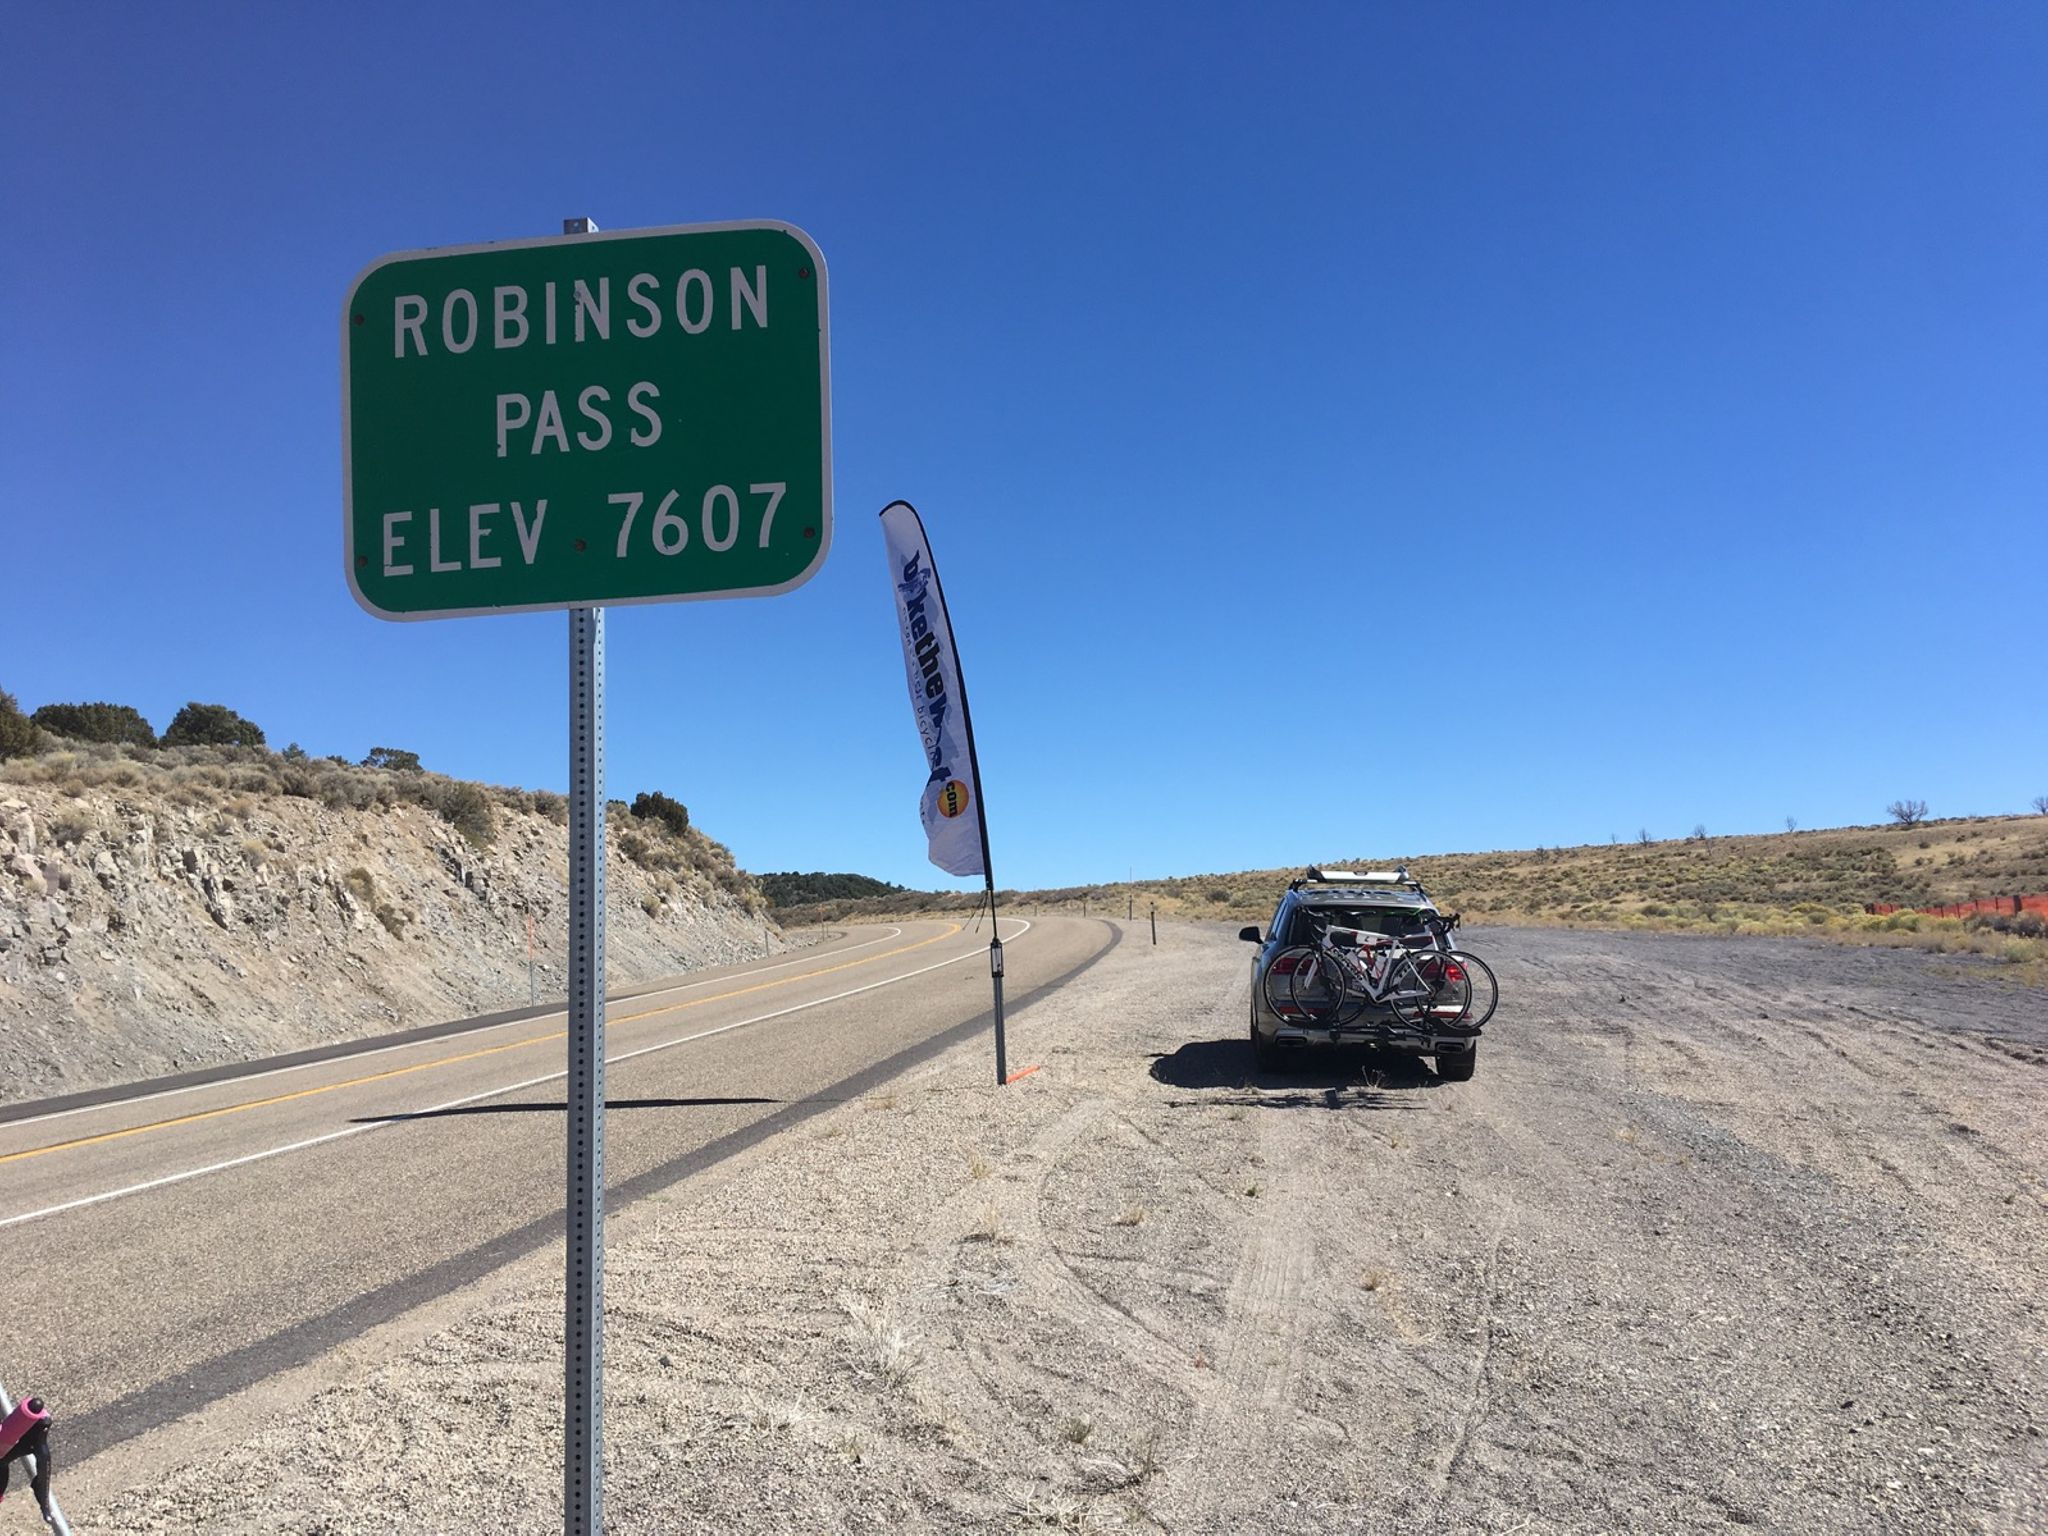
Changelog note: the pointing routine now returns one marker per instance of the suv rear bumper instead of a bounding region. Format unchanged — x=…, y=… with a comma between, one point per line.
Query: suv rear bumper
x=1380, y=1037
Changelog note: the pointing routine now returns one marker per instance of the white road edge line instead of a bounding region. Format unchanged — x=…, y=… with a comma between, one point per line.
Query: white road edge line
x=489, y=1093
x=407, y=1045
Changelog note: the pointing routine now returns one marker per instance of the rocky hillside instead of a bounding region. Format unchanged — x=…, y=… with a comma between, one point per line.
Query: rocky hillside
x=173, y=908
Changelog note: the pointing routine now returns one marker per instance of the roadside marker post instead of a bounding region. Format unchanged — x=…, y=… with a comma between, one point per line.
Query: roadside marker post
x=532, y=978
x=995, y=971
x=574, y=423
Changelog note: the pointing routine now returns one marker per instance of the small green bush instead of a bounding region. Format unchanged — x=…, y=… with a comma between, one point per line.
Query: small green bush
x=468, y=810
x=18, y=734
x=96, y=722
x=211, y=725
x=654, y=805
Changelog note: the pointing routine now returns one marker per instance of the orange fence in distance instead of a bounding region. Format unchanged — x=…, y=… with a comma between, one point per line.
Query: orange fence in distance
x=2007, y=905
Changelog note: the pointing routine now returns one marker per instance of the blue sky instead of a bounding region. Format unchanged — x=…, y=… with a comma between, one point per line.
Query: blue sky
x=1341, y=429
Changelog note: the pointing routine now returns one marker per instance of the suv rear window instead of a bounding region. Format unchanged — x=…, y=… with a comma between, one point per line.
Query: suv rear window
x=1396, y=922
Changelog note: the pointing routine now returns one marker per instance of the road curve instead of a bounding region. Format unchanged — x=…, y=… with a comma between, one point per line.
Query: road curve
x=193, y=1240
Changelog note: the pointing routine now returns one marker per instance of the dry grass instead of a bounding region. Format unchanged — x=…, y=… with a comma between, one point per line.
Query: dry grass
x=878, y=1338
x=990, y=1228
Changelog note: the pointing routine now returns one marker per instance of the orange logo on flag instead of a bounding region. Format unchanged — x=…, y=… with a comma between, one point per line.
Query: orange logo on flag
x=952, y=799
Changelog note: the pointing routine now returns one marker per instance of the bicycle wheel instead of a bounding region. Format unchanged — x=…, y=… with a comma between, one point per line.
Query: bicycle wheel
x=1485, y=991
x=1329, y=991
x=1426, y=991
x=1278, y=983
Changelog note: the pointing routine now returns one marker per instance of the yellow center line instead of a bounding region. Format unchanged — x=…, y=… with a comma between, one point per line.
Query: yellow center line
x=449, y=1061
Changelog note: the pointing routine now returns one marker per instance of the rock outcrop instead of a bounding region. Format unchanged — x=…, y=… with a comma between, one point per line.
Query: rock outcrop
x=146, y=930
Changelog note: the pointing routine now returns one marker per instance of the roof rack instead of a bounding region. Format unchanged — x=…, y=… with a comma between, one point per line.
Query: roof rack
x=1318, y=876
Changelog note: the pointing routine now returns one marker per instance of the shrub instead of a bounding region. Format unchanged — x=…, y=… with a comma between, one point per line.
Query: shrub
x=467, y=808
x=789, y=888
x=96, y=722
x=393, y=758
x=211, y=725
x=551, y=805
x=18, y=734
x=1907, y=813
x=654, y=805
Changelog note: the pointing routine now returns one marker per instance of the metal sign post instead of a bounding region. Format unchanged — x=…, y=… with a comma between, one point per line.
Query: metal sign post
x=583, y=1317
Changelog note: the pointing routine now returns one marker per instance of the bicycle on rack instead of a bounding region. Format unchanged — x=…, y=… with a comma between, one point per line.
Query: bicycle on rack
x=1422, y=982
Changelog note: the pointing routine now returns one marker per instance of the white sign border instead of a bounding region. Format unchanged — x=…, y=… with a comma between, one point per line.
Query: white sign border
x=348, y=522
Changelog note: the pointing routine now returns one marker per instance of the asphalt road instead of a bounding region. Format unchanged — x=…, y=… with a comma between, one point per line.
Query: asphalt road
x=189, y=1243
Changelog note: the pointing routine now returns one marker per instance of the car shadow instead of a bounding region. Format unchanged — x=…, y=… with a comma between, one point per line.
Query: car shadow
x=548, y=1109
x=1344, y=1077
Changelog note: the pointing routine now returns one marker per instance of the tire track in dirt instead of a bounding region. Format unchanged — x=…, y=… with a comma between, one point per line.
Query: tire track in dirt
x=1473, y=1409
x=1249, y=1400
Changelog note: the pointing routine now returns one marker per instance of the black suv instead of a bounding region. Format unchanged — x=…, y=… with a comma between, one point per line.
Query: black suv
x=1377, y=901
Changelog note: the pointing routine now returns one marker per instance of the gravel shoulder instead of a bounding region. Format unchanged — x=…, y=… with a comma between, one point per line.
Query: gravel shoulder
x=1724, y=1232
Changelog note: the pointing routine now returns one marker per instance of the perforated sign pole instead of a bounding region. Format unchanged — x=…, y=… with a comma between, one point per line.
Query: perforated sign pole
x=583, y=1324
x=583, y=1288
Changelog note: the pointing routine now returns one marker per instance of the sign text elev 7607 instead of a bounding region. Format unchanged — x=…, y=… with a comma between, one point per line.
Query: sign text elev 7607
x=640, y=416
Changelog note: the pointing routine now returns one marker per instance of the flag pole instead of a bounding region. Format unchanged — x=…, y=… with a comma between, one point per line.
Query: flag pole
x=988, y=868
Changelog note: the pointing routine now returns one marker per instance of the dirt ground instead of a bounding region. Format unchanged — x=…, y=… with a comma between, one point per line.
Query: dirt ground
x=1725, y=1232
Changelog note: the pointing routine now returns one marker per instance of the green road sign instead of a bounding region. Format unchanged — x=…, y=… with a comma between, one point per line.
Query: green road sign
x=631, y=417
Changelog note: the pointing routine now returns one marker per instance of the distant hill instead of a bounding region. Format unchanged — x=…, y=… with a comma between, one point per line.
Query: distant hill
x=791, y=889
